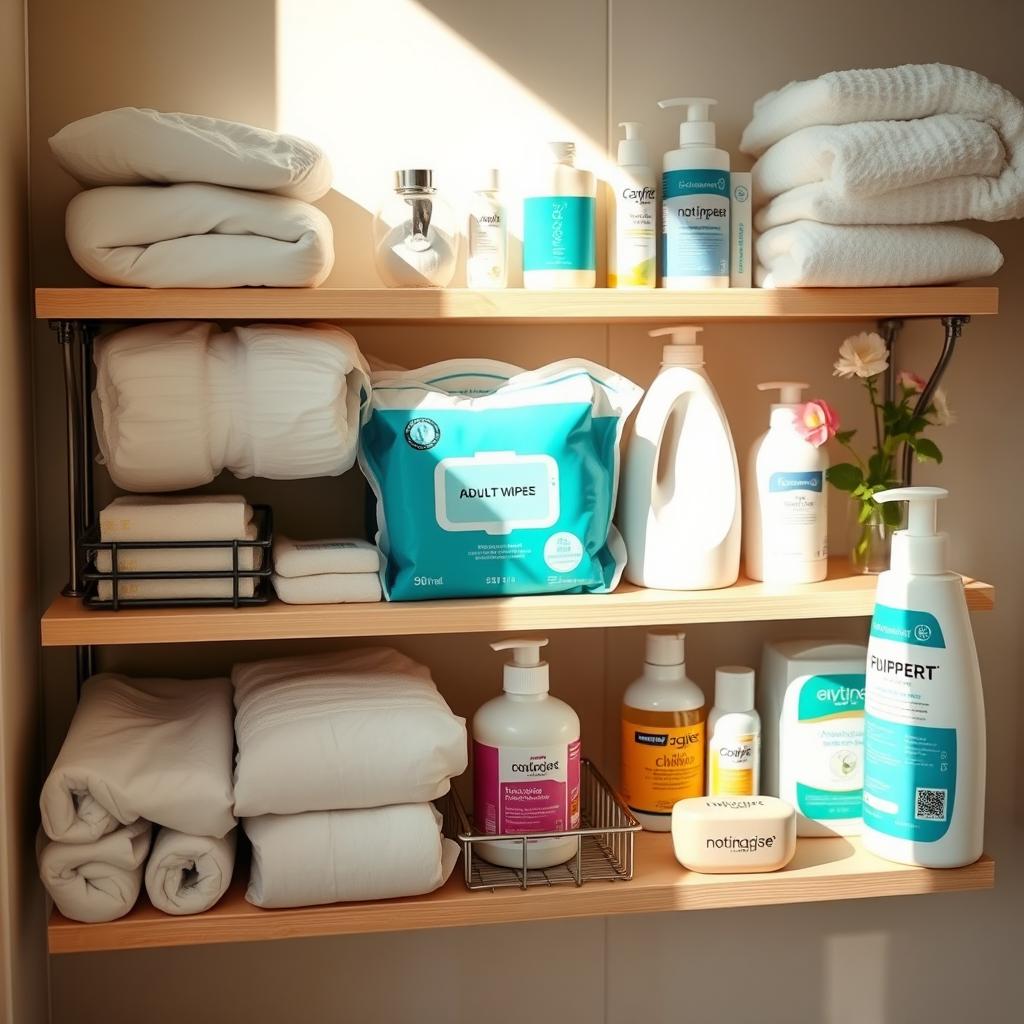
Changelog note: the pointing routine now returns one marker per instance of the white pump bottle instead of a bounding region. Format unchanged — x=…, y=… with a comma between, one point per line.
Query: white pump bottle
x=632, y=239
x=785, y=512
x=924, y=724
x=679, y=508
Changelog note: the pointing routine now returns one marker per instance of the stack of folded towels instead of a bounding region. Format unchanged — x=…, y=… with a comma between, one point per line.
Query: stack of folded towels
x=326, y=571
x=146, y=518
x=860, y=172
x=141, y=753
x=339, y=756
x=184, y=201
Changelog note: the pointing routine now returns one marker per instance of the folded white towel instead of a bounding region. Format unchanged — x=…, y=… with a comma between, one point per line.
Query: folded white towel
x=302, y=860
x=358, y=728
x=97, y=881
x=314, y=557
x=158, y=749
x=174, y=590
x=175, y=402
x=189, y=874
x=183, y=559
x=329, y=588
x=198, y=236
x=136, y=517
x=810, y=255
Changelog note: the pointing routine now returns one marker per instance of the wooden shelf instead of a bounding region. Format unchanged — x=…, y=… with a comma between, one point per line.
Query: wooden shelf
x=824, y=869
x=514, y=305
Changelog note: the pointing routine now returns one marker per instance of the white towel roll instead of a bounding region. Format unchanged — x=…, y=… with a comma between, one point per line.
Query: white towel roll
x=329, y=588
x=315, y=557
x=189, y=874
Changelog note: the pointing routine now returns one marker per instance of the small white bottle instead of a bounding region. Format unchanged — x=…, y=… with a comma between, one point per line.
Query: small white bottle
x=734, y=735
x=679, y=506
x=924, y=713
x=663, y=720
x=632, y=242
x=785, y=513
x=526, y=764
x=487, y=262
x=560, y=224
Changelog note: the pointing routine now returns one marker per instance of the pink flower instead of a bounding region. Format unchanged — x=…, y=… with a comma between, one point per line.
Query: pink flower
x=817, y=421
x=910, y=381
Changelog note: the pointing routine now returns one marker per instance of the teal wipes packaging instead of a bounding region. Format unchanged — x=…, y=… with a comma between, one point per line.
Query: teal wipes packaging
x=492, y=480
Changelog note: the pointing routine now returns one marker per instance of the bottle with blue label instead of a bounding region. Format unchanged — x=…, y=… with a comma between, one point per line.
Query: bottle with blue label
x=695, y=202
x=785, y=511
x=924, y=721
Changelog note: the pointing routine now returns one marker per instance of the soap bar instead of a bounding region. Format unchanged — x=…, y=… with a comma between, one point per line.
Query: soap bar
x=719, y=835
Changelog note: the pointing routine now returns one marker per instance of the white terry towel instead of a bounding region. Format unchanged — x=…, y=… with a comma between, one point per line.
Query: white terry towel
x=189, y=874
x=302, y=860
x=329, y=588
x=176, y=402
x=173, y=590
x=198, y=236
x=158, y=749
x=314, y=557
x=805, y=254
x=184, y=559
x=97, y=881
x=359, y=728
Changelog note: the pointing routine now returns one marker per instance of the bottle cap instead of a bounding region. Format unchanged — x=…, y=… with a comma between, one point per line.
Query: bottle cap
x=666, y=648
x=562, y=152
x=490, y=180
x=698, y=129
x=790, y=392
x=734, y=688
x=632, y=149
x=525, y=673
x=920, y=548
x=684, y=350
x=414, y=180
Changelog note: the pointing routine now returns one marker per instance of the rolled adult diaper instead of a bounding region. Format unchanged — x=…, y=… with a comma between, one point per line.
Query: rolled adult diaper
x=492, y=480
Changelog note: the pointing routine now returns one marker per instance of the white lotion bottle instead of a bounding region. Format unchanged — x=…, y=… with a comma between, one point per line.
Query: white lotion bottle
x=695, y=203
x=924, y=725
x=526, y=764
x=734, y=735
x=786, y=504
x=487, y=260
x=679, y=505
x=632, y=238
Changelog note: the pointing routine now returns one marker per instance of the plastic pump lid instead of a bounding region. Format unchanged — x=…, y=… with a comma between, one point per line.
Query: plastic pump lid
x=790, y=392
x=734, y=688
x=666, y=649
x=632, y=149
x=525, y=673
x=562, y=152
x=489, y=181
x=920, y=548
x=698, y=129
x=684, y=350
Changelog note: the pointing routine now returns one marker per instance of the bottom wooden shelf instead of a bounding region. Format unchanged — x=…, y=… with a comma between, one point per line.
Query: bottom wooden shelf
x=824, y=869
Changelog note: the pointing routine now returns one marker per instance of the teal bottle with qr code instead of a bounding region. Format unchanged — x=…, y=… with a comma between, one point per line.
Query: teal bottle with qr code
x=924, y=714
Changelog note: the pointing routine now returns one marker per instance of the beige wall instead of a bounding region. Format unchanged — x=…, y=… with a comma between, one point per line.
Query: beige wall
x=457, y=84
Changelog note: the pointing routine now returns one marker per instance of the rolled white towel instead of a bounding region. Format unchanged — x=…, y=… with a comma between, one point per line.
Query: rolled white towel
x=378, y=853
x=189, y=874
x=315, y=557
x=97, y=881
x=329, y=588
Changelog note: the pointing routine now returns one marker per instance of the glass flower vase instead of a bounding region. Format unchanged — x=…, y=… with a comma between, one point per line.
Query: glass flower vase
x=870, y=538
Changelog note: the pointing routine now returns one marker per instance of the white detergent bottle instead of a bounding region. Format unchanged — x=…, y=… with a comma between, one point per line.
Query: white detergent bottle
x=785, y=511
x=679, y=509
x=632, y=239
x=924, y=727
x=526, y=764
x=695, y=202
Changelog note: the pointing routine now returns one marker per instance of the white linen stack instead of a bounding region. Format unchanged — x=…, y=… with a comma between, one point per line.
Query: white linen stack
x=335, y=571
x=339, y=756
x=185, y=201
x=140, y=751
x=860, y=172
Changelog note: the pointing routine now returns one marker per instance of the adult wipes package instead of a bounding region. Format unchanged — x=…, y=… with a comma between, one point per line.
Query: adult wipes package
x=493, y=480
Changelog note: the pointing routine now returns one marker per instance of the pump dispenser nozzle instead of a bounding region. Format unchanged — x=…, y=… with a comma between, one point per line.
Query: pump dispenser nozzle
x=789, y=391
x=921, y=548
x=632, y=149
x=698, y=129
x=683, y=349
x=525, y=673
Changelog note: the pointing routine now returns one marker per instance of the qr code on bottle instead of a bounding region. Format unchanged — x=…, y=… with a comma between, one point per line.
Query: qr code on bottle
x=930, y=804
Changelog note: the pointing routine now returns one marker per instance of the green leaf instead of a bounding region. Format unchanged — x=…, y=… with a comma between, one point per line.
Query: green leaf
x=845, y=436
x=927, y=451
x=892, y=513
x=845, y=475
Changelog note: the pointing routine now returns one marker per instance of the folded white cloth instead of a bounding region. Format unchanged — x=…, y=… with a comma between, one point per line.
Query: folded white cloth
x=301, y=860
x=313, y=557
x=189, y=874
x=329, y=588
x=805, y=254
x=198, y=236
x=158, y=749
x=132, y=145
x=183, y=559
x=97, y=881
x=358, y=728
x=173, y=590
x=135, y=517
x=175, y=402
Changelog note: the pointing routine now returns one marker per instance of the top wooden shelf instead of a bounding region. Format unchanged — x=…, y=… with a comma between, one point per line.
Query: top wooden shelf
x=513, y=305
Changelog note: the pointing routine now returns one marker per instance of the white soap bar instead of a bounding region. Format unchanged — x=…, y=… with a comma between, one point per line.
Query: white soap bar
x=722, y=834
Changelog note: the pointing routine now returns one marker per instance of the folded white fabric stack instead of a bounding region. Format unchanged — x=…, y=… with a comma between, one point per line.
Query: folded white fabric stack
x=336, y=571
x=185, y=201
x=339, y=756
x=140, y=751
x=860, y=172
